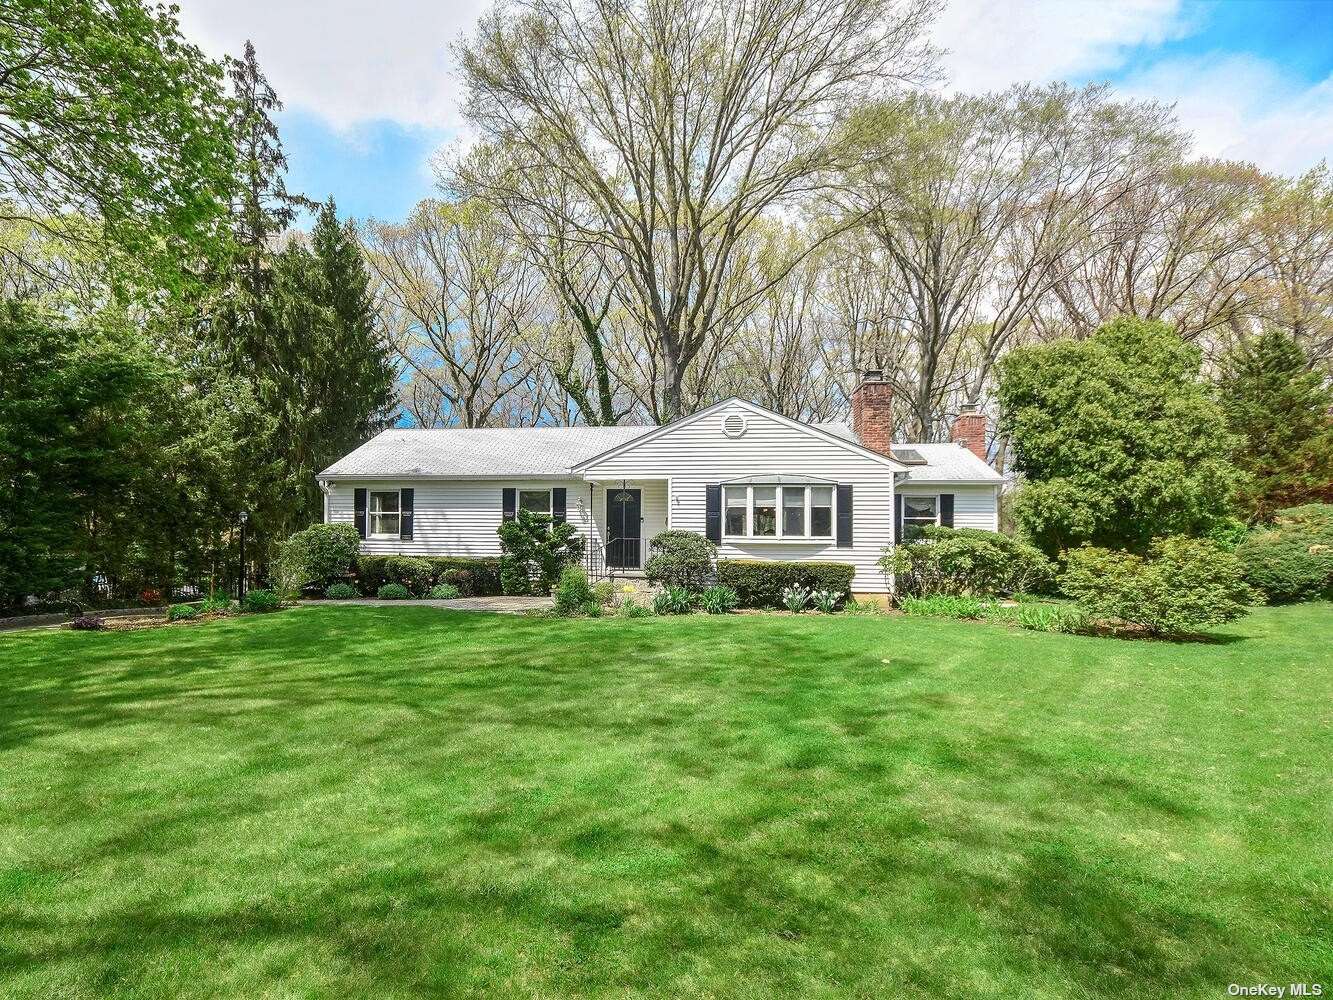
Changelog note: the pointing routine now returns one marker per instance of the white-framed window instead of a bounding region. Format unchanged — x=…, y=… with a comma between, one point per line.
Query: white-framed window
x=762, y=511
x=535, y=501
x=384, y=513
x=918, y=513
x=736, y=510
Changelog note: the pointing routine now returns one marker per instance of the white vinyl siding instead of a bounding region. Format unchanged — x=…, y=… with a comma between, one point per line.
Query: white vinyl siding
x=451, y=517
x=460, y=517
x=698, y=454
x=973, y=506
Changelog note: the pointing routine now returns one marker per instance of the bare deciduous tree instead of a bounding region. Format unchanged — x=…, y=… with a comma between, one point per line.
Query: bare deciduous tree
x=683, y=123
x=459, y=296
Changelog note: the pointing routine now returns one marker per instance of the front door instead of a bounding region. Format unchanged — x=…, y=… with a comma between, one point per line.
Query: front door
x=624, y=522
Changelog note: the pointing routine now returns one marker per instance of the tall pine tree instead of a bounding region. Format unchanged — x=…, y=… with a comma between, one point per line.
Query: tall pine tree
x=1283, y=414
x=298, y=324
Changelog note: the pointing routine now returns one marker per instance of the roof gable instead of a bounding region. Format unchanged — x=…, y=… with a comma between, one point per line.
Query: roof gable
x=813, y=430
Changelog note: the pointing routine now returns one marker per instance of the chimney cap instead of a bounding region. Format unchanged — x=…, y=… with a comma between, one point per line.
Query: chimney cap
x=969, y=408
x=872, y=375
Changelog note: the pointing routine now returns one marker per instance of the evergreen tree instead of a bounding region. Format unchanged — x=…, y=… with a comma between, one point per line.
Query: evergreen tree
x=1118, y=439
x=1282, y=415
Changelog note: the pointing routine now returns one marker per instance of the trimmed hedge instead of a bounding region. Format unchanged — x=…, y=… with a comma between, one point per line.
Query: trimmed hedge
x=681, y=559
x=474, y=577
x=759, y=583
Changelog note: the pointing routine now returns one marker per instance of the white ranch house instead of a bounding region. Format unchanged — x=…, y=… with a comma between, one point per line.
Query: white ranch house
x=760, y=485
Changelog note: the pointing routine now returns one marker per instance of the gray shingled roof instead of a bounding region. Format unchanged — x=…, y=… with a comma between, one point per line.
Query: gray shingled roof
x=945, y=461
x=550, y=452
x=491, y=452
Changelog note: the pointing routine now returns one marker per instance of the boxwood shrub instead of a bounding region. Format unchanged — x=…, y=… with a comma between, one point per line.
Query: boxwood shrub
x=393, y=592
x=680, y=559
x=474, y=577
x=759, y=583
x=341, y=592
x=182, y=612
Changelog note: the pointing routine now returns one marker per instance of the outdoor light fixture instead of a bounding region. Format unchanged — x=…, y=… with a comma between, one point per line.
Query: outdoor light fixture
x=240, y=584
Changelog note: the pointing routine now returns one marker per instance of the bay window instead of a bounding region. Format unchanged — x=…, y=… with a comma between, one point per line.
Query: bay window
x=762, y=511
x=385, y=513
x=793, y=510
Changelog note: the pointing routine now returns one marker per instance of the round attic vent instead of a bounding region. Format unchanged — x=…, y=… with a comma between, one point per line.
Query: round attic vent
x=733, y=425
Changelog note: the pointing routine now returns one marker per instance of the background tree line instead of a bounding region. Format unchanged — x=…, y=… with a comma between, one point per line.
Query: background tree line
x=661, y=204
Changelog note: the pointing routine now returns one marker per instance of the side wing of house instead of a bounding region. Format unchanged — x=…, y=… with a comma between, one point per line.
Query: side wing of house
x=448, y=517
x=765, y=487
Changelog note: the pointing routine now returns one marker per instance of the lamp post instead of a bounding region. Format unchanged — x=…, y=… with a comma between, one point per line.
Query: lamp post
x=240, y=586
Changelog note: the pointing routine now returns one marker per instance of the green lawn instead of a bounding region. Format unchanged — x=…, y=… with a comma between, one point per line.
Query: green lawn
x=365, y=802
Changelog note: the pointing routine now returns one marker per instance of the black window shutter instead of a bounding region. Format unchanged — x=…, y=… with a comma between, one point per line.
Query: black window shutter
x=844, y=515
x=713, y=514
x=509, y=504
x=897, y=517
x=946, y=510
x=406, y=507
x=360, y=504
x=558, y=505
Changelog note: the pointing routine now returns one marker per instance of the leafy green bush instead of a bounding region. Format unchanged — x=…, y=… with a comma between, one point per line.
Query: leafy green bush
x=1293, y=559
x=760, y=583
x=590, y=609
x=341, y=592
x=630, y=608
x=1182, y=586
x=443, y=592
x=473, y=576
x=673, y=601
x=718, y=600
x=316, y=556
x=681, y=559
x=572, y=591
x=604, y=592
x=182, y=612
x=795, y=598
x=1052, y=618
x=966, y=561
x=946, y=606
x=536, y=550
x=257, y=601
x=393, y=592
x=412, y=572
x=217, y=604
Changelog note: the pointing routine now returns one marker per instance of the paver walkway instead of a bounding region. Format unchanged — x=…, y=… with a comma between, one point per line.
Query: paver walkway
x=504, y=605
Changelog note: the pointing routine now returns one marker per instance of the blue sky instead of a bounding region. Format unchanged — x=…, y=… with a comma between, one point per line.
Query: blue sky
x=371, y=93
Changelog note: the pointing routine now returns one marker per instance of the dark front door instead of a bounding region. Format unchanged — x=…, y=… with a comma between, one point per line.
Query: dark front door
x=623, y=521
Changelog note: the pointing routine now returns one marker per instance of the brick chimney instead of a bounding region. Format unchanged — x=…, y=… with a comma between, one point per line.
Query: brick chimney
x=969, y=430
x=872, y=412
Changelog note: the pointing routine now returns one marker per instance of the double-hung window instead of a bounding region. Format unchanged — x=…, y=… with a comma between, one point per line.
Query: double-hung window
x=385, y=513
x=762, y=511
x=535, y=501
x=919, y=513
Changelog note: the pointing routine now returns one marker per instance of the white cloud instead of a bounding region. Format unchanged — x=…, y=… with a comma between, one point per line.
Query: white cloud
x=347, y=61
x=992, y=45
x=1244, y=108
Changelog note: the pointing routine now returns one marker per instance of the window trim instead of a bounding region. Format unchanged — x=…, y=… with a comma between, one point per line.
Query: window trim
x=779, y=533
x=919, y=524
x=370, y=515
x=550, y=500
